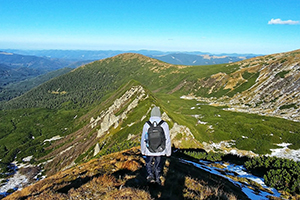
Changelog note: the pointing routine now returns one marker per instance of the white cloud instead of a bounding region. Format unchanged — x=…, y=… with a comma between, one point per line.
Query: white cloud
x=279, y=21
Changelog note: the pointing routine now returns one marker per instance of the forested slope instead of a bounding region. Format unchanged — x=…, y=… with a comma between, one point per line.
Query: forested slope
x=13, y=90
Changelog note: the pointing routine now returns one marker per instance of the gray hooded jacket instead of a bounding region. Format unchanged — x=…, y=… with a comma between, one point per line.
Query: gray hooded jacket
x=155, y=116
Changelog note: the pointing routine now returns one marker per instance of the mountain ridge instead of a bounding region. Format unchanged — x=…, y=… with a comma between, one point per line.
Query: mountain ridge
x=106, y=102
x=121, y=175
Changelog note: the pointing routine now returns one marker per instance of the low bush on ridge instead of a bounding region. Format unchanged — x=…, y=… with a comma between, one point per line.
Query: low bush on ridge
x=281, y=174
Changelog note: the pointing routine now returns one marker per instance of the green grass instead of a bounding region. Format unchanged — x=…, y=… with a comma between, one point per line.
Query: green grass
x=93, y=88
x=282, y=74
x=180, y=111
x=208, y=70
x=23, y=131
x=262, y=132
x=293, y=105
x=251, y=78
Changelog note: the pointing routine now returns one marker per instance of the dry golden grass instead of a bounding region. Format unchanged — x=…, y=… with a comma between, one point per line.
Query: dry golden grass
x=122, y=176
x=196, y=189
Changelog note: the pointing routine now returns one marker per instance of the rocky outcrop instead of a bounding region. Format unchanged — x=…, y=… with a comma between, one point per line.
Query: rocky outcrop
x=276, y=91
x=108, y=117
x=96, y=149
x=67, y=149
x=176, y=129
x=182, y=137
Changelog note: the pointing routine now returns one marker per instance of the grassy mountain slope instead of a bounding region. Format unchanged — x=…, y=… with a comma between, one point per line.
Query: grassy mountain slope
x=105, y=104
x=73, y=98
x=90, y=83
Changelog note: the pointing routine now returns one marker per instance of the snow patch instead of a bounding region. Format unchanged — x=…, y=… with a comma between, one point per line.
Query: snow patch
x=130, y=124
x=285, y=152
x=53, y=138
x=284, y=144
x=186, y=97
x=67, y=149
x=16, y=182
x=199, y=121
x=27, y=159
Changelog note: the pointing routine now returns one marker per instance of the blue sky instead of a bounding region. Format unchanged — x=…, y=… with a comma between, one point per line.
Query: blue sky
x=216, y=26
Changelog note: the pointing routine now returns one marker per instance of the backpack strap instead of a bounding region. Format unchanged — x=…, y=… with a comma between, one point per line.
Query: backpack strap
x=161, y=122
x=150, y=124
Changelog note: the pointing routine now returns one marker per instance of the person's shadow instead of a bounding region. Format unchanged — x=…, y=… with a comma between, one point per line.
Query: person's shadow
x=172, y=183
x=175, y=180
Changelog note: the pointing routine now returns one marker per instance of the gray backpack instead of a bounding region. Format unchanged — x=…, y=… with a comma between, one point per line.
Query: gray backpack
x=156, y=141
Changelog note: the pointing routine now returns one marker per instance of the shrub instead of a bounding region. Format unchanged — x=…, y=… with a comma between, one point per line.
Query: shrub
x=282, y=174
x=287, y=106
x=211, y=156
x=282, y=74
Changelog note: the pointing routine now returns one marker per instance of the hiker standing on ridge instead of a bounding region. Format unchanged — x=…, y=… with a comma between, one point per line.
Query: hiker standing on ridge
x=155, y=143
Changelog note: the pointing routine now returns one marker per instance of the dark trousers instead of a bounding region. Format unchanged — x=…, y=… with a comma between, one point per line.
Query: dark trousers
x=153, y=166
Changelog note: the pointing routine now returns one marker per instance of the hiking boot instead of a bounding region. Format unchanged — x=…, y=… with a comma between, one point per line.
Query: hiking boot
x=150, y=179
x=158, y=181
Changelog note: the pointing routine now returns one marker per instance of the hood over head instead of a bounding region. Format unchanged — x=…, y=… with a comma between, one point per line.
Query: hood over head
x=155, y=112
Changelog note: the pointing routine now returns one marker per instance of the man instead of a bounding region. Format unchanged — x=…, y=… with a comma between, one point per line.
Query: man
x=153, y=171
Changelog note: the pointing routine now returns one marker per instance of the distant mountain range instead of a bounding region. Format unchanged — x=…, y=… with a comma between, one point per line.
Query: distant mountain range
x=182, y=58
x=42, y=64
x=16, y=67
x=202, y=59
